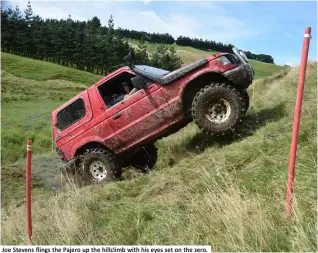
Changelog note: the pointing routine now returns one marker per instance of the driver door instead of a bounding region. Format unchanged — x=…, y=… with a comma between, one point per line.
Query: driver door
x=139, y=117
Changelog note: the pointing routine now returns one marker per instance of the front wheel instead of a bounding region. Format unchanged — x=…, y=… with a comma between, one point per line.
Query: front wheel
x=218, y=108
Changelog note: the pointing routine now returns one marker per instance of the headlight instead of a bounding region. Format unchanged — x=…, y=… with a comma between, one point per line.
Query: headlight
x=240, y=54
x=223, y=60
x=243, y=55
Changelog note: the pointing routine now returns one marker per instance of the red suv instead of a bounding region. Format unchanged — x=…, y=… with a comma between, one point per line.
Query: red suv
x=115, y=122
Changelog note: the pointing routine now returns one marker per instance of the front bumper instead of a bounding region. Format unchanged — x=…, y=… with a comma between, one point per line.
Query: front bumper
x=241, y=76
x=61, y=154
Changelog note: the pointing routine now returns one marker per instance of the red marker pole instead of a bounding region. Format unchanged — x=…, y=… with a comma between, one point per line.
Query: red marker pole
x=28, y=190
x=293, y=149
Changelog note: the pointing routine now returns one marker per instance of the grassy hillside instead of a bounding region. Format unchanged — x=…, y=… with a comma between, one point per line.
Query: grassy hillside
x=30, y=90
x=227, y=192
x=190, y=54
x=42, y=71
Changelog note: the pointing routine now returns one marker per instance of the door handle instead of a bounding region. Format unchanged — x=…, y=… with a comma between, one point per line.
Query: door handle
x=117, y=115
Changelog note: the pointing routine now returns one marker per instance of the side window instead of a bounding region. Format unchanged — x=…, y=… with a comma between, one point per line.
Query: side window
x=117, y=89
x=148, y=81
x=71, y=114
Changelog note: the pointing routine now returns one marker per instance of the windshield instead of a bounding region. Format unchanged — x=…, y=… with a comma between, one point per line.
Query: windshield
x=152, y=71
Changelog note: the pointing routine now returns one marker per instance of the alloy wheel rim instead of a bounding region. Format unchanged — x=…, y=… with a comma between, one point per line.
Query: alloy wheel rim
x=219, y=112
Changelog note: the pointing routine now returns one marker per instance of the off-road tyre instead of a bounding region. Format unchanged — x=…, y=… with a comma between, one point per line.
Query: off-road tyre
x=98, y=166
x=216, y=96
x=145, y=159
x=246, y=99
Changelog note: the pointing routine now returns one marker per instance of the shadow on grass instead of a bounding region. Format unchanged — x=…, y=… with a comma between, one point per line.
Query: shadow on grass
x=252, y=121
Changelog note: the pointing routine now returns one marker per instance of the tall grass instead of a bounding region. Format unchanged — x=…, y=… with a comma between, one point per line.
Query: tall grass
x=219, y=213
x=228, y=193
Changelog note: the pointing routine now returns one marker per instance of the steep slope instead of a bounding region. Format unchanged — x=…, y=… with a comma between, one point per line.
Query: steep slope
x=42, y=71
x=227, y=192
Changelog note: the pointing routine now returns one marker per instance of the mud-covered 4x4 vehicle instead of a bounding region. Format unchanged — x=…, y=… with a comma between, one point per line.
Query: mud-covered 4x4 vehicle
x=115, y=122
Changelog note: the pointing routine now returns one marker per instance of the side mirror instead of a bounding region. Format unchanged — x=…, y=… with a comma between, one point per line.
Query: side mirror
x=138, y=82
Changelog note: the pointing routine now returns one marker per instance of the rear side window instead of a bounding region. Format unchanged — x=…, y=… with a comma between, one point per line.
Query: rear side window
x=71, y=114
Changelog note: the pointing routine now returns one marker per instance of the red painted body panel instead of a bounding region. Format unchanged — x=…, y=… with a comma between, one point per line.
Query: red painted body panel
x=140, y=116
x=173, y=91
x=138, y=120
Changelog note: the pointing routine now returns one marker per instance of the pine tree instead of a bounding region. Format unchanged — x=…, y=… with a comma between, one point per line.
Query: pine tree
x=17, y=28
x=28, y=46
x=28, y=14
x=157, y=56
x=141, y=53
x=5, y=31
x=112, y=40
x=166, y=58
x=175, y=61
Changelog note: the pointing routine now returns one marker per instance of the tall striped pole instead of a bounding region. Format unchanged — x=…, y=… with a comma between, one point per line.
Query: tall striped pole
x=28, y=190
x=299, y=99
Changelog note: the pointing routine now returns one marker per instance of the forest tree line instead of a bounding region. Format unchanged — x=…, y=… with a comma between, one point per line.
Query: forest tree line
x=164, y=38
x=89, y=46
x=209, y=45
x=84, y=45
x=206, y=45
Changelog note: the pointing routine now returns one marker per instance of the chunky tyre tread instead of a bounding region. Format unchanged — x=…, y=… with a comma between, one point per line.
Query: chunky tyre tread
x=114, y=169
x=245, y=99
x=198, y=113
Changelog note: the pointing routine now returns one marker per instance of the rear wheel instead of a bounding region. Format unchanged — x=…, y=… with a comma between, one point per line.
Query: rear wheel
x=98, y=166
x=145, y=159
x=218, y=108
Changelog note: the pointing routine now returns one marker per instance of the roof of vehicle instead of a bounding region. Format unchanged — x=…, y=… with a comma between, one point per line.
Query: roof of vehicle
x=111, y=75
x=157, y=72
x=165, y=77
